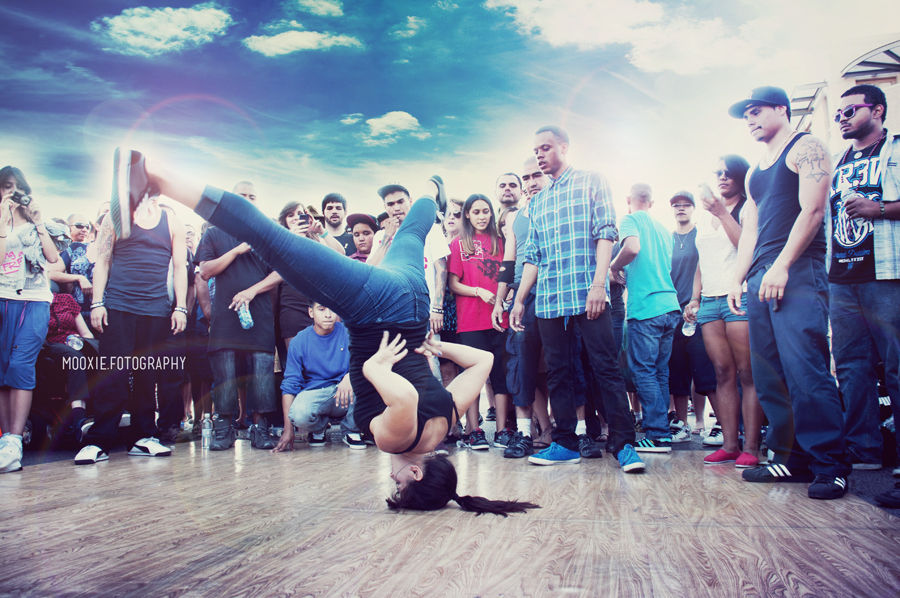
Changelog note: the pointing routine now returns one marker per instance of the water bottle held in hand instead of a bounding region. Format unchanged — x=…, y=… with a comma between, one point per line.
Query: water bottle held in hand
x=245, y=317
x=75, y=341
x=689, y=328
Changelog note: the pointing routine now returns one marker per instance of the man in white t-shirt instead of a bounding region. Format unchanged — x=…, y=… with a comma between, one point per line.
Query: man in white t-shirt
x=397, y=204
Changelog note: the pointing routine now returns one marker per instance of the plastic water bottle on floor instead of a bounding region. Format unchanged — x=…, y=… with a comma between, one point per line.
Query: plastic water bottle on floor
x=206, y=428
x=690, y=328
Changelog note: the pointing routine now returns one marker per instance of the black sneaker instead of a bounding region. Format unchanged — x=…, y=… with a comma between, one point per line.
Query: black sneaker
x=827, y=487
x=491, y=415
x=223, y=435
x=652, y=446
x=260, y=435
x=519, y=447
x=130, y=187
x=477, y=441
x=589, y=449
x=316, y=438
x=890, y=499
x=775, y=472
x=503, y=438
x=354, y=440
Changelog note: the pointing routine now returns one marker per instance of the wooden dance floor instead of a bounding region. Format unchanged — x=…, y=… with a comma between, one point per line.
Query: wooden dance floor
x=314, y=523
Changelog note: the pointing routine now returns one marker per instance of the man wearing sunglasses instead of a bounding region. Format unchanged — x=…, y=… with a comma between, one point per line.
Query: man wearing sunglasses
x=863, y=234
x=76, y=267
x=781, y=256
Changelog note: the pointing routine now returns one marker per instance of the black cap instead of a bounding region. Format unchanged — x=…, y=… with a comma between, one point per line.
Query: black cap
x=762, y=96
x=684, y=195
x=354, y=219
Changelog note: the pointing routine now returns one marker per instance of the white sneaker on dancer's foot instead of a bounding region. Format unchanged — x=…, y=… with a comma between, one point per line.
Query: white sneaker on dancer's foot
x=90, y=455
x=149, y=447
x=10, y=455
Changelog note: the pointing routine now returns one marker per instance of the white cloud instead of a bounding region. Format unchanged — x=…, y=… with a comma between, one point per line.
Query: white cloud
x=351, y=119
x=322, y=8
x=387, y=129
x=446, y=5
x=147, y=31
x=296, y=41
x=282, y=25
x=671, y=39
x=401, y=61
x=409, y=29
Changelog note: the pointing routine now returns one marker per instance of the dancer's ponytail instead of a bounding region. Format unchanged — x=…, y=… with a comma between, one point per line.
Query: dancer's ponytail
x=438, y=487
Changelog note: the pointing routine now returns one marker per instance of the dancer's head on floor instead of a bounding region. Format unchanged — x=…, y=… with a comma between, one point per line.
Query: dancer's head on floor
x=429, y=483
x=432, y=484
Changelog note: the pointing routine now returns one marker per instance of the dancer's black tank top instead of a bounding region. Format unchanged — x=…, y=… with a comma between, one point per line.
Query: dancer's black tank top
x=776, y=193
x=434, y=399
x=139, y=271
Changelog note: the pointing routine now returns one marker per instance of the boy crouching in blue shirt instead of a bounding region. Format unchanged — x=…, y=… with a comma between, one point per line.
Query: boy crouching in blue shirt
x=316, y=383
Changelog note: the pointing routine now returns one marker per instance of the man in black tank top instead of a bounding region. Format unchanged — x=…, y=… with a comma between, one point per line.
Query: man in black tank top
x=131, y=310
x=782, y=257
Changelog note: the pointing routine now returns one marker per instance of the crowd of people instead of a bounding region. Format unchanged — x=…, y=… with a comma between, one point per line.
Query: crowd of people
x=589, y=333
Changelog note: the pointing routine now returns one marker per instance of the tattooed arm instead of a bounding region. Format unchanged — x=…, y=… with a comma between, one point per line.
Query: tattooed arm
x=812, y=162
x=101, y=272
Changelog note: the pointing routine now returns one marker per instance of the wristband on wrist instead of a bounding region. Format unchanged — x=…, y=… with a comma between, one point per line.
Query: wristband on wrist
x=437, y=310
x=476, y=293
x=181, y=309
x=881, y=206
x=324, y=234
x=97, y=304
x=695, y=298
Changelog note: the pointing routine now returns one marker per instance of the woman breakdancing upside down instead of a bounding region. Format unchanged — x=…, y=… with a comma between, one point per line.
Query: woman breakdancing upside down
x=398, y=400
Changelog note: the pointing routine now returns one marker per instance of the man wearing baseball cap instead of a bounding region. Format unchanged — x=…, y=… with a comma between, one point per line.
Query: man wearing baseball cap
x=781, y=255
x=363, y=228
x=689, y=360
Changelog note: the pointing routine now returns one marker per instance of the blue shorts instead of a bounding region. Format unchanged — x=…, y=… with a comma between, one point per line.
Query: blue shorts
x=716, y=308
x=22, y=335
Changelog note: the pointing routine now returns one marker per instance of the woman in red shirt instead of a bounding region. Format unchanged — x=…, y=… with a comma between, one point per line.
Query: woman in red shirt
x=474, y=269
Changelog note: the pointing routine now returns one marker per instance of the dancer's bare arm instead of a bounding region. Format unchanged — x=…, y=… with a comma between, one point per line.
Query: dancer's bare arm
x=395, y=428
x=466, y=387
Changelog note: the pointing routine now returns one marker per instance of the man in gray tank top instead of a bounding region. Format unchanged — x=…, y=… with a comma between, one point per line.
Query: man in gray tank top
x=782, y=256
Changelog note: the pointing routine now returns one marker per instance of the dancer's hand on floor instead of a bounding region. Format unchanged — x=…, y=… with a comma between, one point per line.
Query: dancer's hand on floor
x=286, y=442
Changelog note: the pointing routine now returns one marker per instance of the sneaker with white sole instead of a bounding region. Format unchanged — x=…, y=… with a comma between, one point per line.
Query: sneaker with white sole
x=675, y=425
x=629, y=460
x=90, y=455
x=682, y=435
x=715, y=437
x=130, y=187
x=828, y=487
x=648, y=445
x=478, y=441
x=354, y=440
x=554, y=455
x=316, y=438
x=10, y=455
x=149, y=447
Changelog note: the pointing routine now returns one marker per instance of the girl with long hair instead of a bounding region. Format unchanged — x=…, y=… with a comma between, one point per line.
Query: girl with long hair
x=726, y=335
x=398, y=400
x=473, y=275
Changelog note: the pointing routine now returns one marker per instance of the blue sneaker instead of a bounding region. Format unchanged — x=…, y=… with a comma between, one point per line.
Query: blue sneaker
x=555, y=455
x=629, y=460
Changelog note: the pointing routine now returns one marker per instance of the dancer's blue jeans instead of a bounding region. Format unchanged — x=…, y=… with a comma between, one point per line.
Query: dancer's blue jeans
x=394, y=291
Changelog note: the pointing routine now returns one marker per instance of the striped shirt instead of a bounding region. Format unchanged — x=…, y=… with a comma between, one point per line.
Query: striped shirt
x=568, y=217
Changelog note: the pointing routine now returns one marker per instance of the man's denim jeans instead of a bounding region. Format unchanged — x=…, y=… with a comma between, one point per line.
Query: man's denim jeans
x=312, y=409
x=865, y=327
x=649, y=349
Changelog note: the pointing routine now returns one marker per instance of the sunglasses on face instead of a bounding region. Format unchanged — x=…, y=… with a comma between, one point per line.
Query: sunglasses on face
x=849, y=111
x=81, y=226
x=681, y=206
x=455, y=214
x=720, y=173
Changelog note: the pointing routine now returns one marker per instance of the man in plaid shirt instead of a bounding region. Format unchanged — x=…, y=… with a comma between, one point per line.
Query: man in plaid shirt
x=573, y=227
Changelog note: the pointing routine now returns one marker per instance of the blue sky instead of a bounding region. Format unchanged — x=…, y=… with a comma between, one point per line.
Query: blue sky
x=305, y=97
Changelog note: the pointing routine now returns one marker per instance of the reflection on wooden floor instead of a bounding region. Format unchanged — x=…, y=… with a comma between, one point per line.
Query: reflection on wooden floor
x=314, y=523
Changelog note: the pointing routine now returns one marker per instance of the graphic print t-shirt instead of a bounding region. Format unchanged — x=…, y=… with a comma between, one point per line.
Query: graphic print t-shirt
x=853, y=247
x=479, y=269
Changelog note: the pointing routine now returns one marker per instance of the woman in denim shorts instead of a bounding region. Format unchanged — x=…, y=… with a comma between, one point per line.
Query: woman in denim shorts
x=725, y=334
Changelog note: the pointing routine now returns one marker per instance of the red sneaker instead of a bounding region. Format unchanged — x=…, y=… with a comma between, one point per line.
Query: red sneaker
x=720, y=456
x=746, y=460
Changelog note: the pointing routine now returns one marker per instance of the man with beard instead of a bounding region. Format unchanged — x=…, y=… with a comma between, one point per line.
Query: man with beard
x=864, y=269
x=509, y=190
x=334, y=209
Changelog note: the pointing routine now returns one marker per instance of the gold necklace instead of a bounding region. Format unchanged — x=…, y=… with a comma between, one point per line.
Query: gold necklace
x=778, y=153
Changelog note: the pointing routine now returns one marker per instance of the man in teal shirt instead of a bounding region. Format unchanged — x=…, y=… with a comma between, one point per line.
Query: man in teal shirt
x=652, y=311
